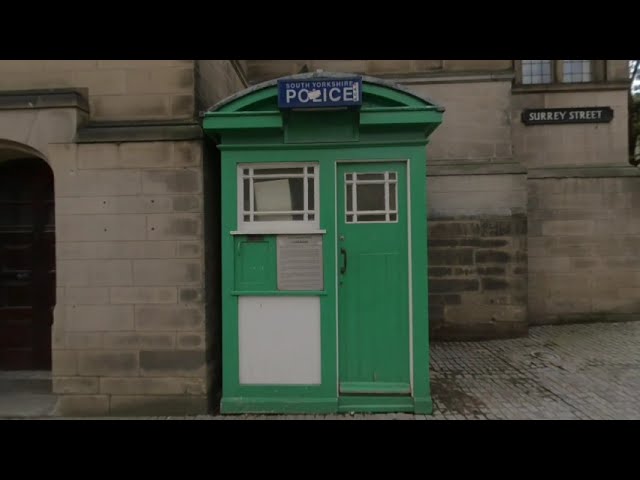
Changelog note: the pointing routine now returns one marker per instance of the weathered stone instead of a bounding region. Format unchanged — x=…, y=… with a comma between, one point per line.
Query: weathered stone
x=145, y=405
x=108, y=363
x=492, y=256
x=75, y=385
x=439, y=271
x=188, y=363
x=445, y=299
x=494, y=284
x=190, y=295
x=83, y=405
x=453, y=229
x=452, y=285
x=491, y=270
x=447, y=256
x=495, y=228
x=149, y=317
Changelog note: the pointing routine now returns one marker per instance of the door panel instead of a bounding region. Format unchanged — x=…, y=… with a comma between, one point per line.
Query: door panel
x=373, y=279
x=27, y=264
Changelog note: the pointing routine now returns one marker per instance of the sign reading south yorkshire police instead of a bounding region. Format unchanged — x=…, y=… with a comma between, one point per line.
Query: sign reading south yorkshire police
x=549, y=116
x=320, y=93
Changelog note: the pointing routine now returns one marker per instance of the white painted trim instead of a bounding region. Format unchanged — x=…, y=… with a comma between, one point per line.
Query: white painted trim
x=410, y=271
x=280, y=226
x=337, y=274
x=280, y=230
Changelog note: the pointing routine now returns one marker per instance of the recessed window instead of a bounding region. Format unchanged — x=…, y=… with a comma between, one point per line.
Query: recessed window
x=575, y=71
x=278, y=193
x=371, y=197
x=536, y=71
x=544, y=72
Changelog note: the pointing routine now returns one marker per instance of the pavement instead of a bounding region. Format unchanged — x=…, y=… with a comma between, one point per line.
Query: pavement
x=558, y=372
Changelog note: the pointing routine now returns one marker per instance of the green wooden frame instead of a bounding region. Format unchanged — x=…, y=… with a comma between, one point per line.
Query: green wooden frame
x=393, y=125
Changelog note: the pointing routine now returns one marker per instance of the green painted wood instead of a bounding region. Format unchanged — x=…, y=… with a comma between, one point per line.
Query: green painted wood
x=373, y=295
x=271, y=405
x=375, y=404
x=374, y=388
x=255, y=263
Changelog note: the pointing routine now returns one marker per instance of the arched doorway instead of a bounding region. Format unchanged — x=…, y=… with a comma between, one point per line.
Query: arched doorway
x=27, y=262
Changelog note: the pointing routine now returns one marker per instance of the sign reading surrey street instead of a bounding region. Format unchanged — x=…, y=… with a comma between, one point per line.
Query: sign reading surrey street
x=549, y=116
x=320, y=93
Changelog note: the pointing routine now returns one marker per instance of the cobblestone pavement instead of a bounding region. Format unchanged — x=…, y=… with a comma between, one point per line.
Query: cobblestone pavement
x=557, y=372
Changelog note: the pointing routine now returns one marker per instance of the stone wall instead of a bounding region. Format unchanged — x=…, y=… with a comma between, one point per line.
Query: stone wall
x=584, y=238
x=129, y=328
x=118, y=89
x=217, y=79
x=477, y=244
x=261, y=70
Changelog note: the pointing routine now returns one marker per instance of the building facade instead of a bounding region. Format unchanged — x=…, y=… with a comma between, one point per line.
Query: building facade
x=110, y=231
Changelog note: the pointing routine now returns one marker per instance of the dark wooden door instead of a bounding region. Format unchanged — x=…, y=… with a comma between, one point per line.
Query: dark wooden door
x=27, y=264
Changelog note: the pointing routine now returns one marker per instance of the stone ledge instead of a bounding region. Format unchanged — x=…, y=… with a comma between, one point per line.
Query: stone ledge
x=570, y=87
x=475, y=168
x=418, y=78
x=138, y=132
x=44, y=98
x=596, y=171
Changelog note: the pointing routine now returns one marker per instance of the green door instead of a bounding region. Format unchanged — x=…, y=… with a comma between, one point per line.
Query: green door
x=373, y=279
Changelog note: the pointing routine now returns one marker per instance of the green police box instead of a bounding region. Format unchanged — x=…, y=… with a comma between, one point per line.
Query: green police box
x=324, y=257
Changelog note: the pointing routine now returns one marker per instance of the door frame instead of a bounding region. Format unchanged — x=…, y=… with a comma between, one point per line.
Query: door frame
x=337, y=185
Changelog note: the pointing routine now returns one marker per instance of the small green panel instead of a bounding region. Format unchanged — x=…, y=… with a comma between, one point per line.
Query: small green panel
x=255, y=262
x=308, y=127
x=375, y=404
x=374, y=388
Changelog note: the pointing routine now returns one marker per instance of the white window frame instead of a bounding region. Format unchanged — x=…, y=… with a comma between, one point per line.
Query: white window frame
x=279, y=226
x=387, y=212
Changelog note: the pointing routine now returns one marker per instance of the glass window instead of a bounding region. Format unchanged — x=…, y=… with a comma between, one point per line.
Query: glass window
x=371, y=197
x=574, y=71
x=278, y=194
x=536, y=71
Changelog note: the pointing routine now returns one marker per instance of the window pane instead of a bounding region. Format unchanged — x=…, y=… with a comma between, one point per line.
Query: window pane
x=536, y=71
x=370, y=197
x=371, y=218
x=370, y=176
x=393, y=217
x=392, y=196
x=576, y=71
x=349, y=218
x=311, y=194
x=246, y=195
x=277, y=195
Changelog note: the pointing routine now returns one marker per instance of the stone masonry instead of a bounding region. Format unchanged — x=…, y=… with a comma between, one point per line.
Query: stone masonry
x=129, y=330
x=477, y=277
x=583, y=248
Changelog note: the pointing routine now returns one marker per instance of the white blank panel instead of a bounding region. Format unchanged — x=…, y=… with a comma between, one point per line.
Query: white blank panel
x=279, y=340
